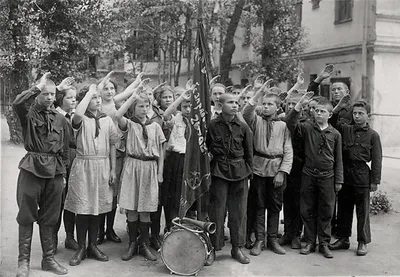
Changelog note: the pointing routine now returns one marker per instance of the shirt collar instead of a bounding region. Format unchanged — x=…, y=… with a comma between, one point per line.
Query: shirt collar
x=40, y=108
x=365, y=128
x=219, y=118
x=327, y=129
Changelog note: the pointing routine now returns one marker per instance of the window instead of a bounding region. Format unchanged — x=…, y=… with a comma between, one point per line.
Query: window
x=315, y=4
x=343, y=11
x=299, y=10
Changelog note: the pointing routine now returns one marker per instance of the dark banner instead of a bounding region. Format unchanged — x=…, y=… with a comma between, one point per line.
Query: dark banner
x=196, y=172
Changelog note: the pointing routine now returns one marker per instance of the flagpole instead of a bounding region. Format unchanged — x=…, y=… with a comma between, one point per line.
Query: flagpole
x=199, y=20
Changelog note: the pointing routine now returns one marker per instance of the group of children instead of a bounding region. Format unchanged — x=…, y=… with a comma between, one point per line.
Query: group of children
x=92, y=150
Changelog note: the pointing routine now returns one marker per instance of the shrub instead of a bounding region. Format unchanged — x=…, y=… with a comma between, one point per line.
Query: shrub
x=380, y=203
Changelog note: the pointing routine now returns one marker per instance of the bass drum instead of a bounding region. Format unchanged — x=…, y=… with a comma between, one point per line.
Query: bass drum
x=184, y=252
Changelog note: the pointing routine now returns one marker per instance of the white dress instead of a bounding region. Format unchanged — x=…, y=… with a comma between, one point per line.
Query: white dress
x=139, y=184
x=89, y=191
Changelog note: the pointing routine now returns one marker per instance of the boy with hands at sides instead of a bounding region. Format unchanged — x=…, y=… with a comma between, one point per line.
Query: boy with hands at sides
x=273, y=157
x=361, y=145
x=322, y=174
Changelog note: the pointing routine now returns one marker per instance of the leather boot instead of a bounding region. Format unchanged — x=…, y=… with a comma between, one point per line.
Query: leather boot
x=144, y=249
x=24, y=247
x=342, y=243
x=257, y=248
x=82, y=226
x=238, y=255
x=308, y=248
x=100, y=237
x=155, y=218
x=324, y=249
x=79, y=256
x=93, y=251
x=362, y=249
x=55, y=243
x=70, y=242
x=272, y=243
x=295, y=243
x=48, y=261
x=285, y=240
x=110, y=233
x=133, y=245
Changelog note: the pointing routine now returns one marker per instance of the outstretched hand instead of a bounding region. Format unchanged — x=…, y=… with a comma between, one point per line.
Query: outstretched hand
x=244, y=91
x=105, y=80
x=42, y=81
x=306, y=98
x=343, y=102
x=327, y=72
x=66, y=83
x=258, y=82
x=300, y=80
x=189, y=84
x=214, y=80
x=159, y=87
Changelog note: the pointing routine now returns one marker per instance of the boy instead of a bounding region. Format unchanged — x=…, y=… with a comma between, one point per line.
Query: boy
x=322, y=174
x=42, y=172
x=361, y=145
x=230, y=142
x=291, y=197
x=273, y=157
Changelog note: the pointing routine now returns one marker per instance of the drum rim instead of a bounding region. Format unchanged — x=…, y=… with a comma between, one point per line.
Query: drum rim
x=180, y=273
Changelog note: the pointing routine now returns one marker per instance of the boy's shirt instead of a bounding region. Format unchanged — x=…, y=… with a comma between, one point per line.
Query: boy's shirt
x=323, y=148
x=270, y=155
x=231, y=144
x=46, y=136
x=360, y=146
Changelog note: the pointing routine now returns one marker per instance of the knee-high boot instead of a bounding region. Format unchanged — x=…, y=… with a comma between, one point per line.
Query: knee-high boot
x=133, y=246
x=155, y=228
x=102, y=233
x=69, y=225
x=82, y=225
x=110, y=233
x=93, y=251
x=144, y=249
x=24, y=247
x=48, y=261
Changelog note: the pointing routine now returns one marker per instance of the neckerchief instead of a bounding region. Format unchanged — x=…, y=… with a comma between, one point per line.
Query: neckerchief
x=49, y=120
x=269, y=120
x=144, y=130
x=97, y=119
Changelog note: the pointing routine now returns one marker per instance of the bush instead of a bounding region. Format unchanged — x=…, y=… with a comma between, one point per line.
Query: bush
x=380, y=203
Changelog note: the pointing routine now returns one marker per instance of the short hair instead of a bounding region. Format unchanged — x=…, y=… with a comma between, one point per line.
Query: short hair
x=158, y=95
x=60, y=94
x=178, y=90
x=141, y=96
x=343, y=83
x=326, y=103
x=224, y=97
x=237, y=86
x=275, y=97
x=363, y=104
x=316, y=98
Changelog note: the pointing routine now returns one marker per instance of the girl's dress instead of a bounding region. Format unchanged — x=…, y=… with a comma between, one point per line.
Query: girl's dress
x=89, y=191
x=139, y=183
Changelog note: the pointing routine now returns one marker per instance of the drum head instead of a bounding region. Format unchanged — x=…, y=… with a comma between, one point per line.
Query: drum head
x=183, y=252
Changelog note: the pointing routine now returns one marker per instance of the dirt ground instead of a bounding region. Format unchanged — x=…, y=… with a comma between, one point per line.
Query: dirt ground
x=383, y=257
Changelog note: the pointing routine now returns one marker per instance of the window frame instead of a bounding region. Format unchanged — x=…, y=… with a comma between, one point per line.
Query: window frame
x=340, y=4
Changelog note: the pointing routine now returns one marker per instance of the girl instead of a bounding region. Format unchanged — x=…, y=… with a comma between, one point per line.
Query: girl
x=107, y=90
x=92, y=172
x=172, y=185
x=65, y=104
x=142, y=171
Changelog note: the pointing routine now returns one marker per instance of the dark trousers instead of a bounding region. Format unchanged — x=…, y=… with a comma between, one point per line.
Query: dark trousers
x=348, y=197
x=266, y=197
x=251, y=211
x=317, y=201
x=39, y=199
x=233, y=193
x=291, y=206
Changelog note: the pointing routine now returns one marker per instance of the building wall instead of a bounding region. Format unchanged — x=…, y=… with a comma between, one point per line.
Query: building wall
x=323, y=33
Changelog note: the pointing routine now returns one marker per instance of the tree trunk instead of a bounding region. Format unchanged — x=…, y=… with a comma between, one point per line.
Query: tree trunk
x=178, y=70
x=19, y=75
x=229, y=44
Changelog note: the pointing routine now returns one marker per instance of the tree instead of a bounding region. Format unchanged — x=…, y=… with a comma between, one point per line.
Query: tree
x=282, y=39
x=57, y=36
